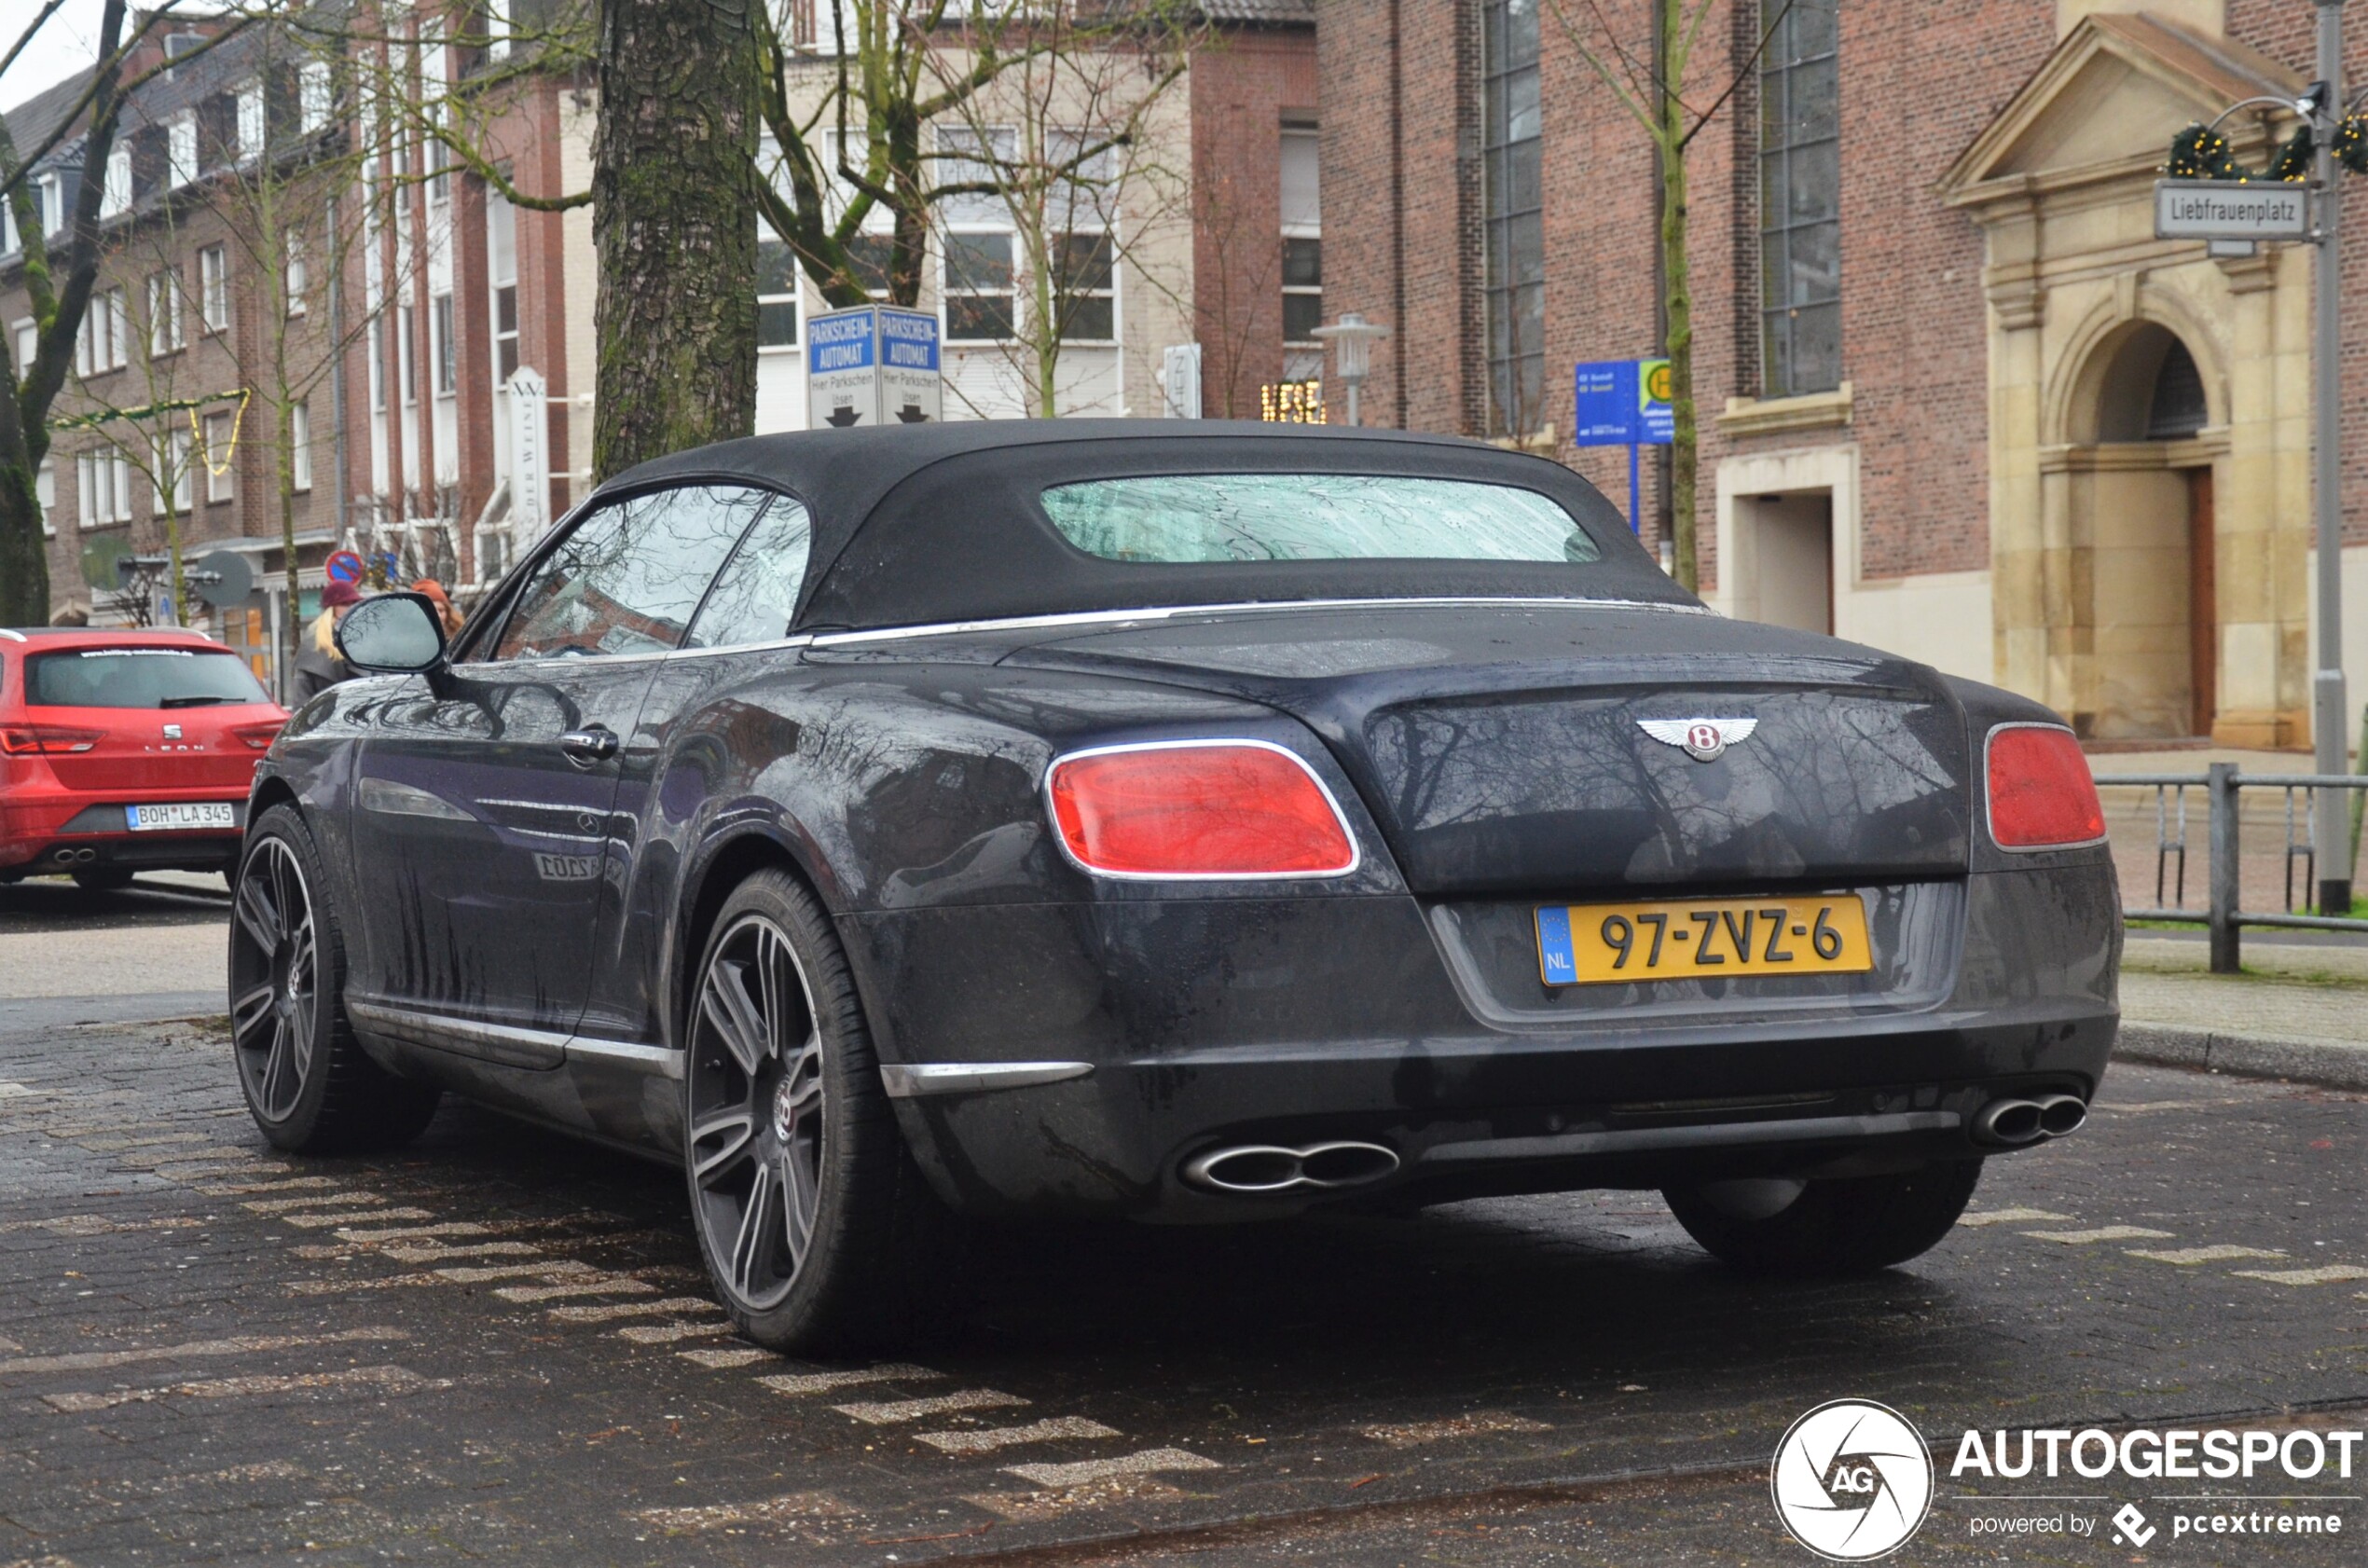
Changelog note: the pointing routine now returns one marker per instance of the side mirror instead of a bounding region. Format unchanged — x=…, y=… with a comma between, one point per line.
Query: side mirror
x=391, y=634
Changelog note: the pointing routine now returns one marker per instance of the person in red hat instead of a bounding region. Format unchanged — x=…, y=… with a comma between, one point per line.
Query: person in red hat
x=319, y=665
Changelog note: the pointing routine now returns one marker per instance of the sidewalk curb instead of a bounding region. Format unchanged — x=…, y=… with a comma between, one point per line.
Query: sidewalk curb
x=2330, y=1063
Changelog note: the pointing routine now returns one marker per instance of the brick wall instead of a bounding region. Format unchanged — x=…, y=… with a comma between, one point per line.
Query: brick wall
x=1244, y=87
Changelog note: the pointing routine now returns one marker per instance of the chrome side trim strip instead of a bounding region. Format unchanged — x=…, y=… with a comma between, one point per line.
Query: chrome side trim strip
x=652, y=1061
x=1167, y=612
x=972, y=1077
x=506, y=1044
x=1716, y=1135
x=13, y=634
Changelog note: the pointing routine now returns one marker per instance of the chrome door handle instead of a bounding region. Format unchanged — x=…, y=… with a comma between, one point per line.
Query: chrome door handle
x=588, y=746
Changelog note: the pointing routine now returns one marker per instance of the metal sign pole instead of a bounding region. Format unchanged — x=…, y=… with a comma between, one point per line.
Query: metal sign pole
x=1635, y=513
x=2329, y=828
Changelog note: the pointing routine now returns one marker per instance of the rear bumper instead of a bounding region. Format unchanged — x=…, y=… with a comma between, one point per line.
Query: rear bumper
x=82, y=832
x=1292, y=1022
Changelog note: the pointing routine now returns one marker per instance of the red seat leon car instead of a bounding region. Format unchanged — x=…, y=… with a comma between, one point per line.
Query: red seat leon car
x=125, y=750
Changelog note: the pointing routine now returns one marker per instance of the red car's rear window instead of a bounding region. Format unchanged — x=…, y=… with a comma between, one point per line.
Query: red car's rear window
x=139, y=677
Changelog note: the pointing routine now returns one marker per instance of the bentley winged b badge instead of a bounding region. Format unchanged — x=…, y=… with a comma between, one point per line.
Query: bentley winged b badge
x=1702, y=739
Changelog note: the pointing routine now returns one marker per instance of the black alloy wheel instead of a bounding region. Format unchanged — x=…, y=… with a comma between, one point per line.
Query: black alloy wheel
x=307, y=1082
x=757, y=1099
x=819, y=1231
x=274, y=977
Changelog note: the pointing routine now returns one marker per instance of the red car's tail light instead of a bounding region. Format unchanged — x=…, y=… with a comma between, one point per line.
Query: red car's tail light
x=261, y=736
x=2041, y=795
x=1222, y=808
x=46, y=740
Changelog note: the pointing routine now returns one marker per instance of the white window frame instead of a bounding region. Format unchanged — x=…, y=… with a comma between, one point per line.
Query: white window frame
x=253, y=128
x=969, y=217
x=407, y=367
x=296, y=278
x=103, y=477
x=316, y=95
x=794, y=298
x=24, y=337
x=170, y=494
x=497, y=29
x=51, y=190
x=214, y=288
x=168, y=333
x=10, y=241
x=1302, y=229
x=219, y=486
x=45, y=493
x=116, y=198
x=444, y=349
x=181, y=151
x=502, y=277
x=300, y=446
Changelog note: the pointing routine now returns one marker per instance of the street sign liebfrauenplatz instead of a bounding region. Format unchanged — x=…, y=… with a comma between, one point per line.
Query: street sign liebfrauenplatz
x=2230, y=210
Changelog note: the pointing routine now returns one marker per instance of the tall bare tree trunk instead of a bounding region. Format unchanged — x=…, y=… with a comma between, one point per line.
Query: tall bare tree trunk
x=674, y=220
x=1678, y=305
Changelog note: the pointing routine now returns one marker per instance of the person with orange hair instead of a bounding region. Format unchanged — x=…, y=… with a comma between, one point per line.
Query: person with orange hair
x=449, y=617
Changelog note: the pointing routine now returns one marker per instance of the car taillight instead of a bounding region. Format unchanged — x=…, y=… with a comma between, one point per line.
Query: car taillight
x=1225, y=809
x=46, y=740
x=261, y=736
x=2041, y=795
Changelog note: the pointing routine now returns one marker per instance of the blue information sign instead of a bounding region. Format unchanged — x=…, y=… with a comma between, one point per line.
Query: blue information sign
x=1623, y=402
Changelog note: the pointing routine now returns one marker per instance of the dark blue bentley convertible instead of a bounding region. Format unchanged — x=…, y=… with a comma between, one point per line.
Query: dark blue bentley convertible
x=1167, y=820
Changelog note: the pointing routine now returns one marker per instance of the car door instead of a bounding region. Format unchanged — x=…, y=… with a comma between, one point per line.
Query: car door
x=487, y=840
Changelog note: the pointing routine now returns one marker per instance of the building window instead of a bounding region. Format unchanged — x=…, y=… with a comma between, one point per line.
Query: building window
x=102, y=481
x=1801, y=203
x=28, y=345
x=218, y=473
x=117, y=197
x=1513, y=237
x=166, y=333
x=776, y=294
x=979, y=298
x=1088, y=289
x=214, y=288
x=501, y=244
x=446, y=350
x=1302, y=255
x=51, y=201
x=300, y=443
x=406, y=372
x=45, y=491
x=181, y=151
x=298, y=276
x=377, y=372
x=251, y=120
x=10, y=243
x=105, y=340
x=172, y=488
x=313, y=96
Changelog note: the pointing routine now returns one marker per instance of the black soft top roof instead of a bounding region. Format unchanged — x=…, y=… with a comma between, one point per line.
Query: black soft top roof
x=925, y=524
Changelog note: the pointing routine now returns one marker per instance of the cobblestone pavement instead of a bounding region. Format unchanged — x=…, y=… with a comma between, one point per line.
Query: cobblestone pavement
x=497, y=1345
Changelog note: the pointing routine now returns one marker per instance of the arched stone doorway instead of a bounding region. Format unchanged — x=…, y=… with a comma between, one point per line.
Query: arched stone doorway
x=2135, y=485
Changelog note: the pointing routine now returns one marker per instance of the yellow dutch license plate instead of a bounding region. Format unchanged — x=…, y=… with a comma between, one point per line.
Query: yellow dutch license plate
x=1724, y=939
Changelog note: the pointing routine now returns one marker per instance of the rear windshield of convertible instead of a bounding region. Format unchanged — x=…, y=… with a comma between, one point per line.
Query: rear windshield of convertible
x=1205, y=518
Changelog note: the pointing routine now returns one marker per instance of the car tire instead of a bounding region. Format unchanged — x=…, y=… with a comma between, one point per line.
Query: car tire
x=306, y=1081
x=1830, y=1226
x=820, y=1234
x=105, y=880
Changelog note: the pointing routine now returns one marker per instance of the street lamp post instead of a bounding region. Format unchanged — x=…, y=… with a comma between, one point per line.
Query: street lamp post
x=1351, y=339
x=2330, y=826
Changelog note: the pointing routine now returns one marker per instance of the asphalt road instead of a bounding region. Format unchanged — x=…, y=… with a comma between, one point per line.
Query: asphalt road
x=498, y=1345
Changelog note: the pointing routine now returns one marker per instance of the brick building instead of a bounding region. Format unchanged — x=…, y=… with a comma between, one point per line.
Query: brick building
x=424, y=292
x=1956, y=400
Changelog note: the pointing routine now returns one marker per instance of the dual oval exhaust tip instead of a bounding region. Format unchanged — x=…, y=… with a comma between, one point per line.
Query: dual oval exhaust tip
x=68, y=855
x=1264, y=1169
x=2010, y=1123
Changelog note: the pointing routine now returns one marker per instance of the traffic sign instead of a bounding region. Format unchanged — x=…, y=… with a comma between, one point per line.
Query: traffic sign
x=344, y=566
x=1623, y=402
x=2230, y=210
x=874, y=365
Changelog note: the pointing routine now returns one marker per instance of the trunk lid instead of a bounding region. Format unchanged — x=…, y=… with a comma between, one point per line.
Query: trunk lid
x=1503, y=749
x=150, y=719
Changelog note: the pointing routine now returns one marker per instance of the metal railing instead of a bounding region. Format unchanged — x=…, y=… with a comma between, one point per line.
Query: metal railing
x=2222, y=786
